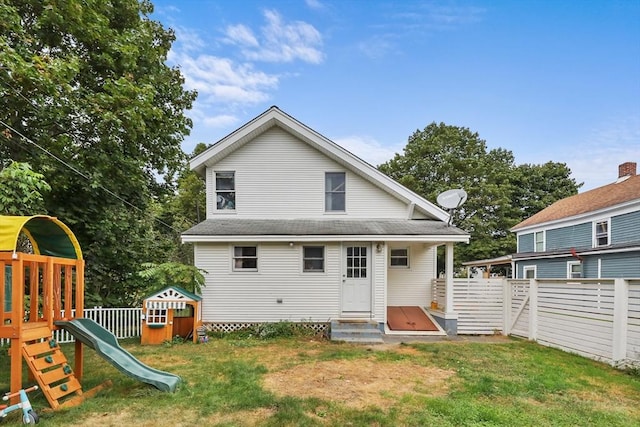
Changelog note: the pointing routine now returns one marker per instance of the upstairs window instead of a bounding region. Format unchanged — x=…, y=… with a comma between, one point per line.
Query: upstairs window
x=399, y=257
x=334, y=192
x=313, y=259
x=601, y=233
x=225, y=191
x=245, y=258
x=539, y=236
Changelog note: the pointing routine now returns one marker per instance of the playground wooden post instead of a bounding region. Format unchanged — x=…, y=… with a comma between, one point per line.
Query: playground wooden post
x=17, y=302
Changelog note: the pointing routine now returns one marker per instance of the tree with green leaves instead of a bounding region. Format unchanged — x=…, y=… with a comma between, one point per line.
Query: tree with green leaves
x=443, y=157
x=23, y=190
x=88, y=101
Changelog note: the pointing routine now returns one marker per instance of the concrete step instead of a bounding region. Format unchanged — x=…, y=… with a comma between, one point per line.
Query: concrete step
x=356, y=331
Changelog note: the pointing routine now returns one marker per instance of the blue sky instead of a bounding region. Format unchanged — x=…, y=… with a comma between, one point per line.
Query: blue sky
x=549, y=80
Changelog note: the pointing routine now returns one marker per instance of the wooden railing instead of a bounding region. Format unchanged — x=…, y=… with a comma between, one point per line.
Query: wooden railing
x=44, y=286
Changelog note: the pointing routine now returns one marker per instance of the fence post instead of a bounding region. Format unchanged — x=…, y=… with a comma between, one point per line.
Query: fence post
x=620, y=317
x=506, y=307
x=533, y=309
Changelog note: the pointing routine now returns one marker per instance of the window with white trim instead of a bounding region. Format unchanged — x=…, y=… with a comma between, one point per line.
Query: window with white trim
x=313, y=259
x=601, y=233
x=539, y=241
x=225, y=191
x=399, y=258
x=156, y=316
x=529, y=271
x=245, y=258
x=574, y=269
x=334, y=192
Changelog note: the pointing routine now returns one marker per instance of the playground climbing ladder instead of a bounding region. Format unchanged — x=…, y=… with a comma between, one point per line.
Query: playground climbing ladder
x=48, y=364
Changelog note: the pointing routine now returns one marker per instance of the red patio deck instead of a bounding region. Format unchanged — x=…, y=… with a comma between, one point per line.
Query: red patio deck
x=408, y=318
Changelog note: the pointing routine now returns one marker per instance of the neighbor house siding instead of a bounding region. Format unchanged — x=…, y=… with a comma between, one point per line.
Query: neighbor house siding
x=279, y=176
x=253, y=296
x=555, y=268
x=621, y=265
x=412, y=286
x=525, y=243
x=625, y=228
x=575, y=236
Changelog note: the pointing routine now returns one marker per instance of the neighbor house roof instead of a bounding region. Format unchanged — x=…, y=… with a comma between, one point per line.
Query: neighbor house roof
x=623, y=191
x=307, y=229
x=276, y=117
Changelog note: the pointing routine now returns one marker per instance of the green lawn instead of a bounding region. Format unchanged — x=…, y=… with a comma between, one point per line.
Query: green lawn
x=304, y=381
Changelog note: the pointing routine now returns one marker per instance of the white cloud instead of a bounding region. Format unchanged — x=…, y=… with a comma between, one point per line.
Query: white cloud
x=368, y=149
x=187, y=40
x=314, y=4
x=220, y=121
x=279, y=41
x=240, y=34
x=220, y=80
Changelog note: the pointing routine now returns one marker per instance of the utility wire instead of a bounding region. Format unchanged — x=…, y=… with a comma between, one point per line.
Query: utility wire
x=87, y=177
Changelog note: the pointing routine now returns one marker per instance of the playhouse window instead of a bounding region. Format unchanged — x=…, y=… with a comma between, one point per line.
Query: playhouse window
x=156, y=316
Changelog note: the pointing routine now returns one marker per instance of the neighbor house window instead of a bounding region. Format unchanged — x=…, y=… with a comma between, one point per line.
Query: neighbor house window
x=334, y=192
x=156, y=316
x=245, y=258
x=574, y=269
x=225, y=191
x=539, y=236
x=529, y=272
x=313, y=258
x=399, y=257
x=601, y=233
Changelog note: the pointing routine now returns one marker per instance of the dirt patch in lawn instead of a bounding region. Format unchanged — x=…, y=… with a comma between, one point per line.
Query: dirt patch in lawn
x=359, y=383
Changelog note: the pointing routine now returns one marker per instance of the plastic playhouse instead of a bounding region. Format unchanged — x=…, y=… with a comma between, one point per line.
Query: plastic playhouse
x=51, y=283
x=169, y=313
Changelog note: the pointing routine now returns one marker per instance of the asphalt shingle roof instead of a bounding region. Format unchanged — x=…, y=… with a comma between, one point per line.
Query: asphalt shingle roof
x=304, y=227
x=589, y=201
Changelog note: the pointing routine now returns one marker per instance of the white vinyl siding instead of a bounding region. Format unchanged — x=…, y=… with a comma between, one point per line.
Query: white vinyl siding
x=412, y=286
x=279, y=176
x=232, y=297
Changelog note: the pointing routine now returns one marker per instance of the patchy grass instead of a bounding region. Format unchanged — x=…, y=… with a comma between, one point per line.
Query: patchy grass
x=306, y=381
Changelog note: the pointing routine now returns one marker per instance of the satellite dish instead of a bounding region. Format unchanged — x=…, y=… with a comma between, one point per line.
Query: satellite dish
x=452, y=199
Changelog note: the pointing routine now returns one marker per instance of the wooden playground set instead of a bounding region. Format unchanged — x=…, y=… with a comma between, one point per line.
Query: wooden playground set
x=42, y=292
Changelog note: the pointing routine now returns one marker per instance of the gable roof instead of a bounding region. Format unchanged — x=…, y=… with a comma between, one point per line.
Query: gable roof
x=276, y=117
x=621, y=192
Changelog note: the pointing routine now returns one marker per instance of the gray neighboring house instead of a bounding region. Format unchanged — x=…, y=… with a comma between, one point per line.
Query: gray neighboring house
x=595, y=234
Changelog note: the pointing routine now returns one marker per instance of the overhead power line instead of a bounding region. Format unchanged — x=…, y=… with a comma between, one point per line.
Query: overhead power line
x=83, y=175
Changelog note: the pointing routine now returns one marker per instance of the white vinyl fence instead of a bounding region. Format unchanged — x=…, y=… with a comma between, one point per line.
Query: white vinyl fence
x=478, y=302
x=596, y=318
x=121, y=322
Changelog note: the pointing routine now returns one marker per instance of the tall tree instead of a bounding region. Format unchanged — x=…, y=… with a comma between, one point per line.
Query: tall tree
x=88, y=101
x=443, y=157
x=23, y=189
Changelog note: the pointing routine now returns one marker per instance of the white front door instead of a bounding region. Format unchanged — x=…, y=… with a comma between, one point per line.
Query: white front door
x=356, y=278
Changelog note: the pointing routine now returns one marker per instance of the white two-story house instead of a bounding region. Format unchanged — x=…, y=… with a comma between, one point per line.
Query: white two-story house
x=299, y=229
x=595, y=234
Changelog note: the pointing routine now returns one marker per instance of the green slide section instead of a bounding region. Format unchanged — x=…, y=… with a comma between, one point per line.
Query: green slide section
x=106, y=345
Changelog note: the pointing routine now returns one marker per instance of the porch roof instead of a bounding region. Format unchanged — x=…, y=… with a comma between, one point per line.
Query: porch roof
x=324, y=229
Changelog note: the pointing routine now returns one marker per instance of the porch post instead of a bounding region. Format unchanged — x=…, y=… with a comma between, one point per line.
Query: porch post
x=448, y=274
